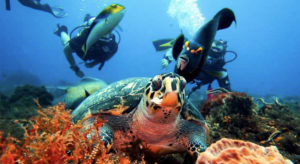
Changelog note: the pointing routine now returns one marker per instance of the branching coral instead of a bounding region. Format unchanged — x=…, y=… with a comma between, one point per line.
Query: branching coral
x=228, y=151
x=51, y=137
x=21, y=106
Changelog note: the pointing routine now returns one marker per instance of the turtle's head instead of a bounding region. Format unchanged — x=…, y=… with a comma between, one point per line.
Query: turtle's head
x=164, y=97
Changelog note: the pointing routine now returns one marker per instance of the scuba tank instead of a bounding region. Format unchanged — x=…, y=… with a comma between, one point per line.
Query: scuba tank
x=220, y=50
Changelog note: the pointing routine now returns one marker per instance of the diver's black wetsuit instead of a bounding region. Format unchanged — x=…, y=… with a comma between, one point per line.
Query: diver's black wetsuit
x=214, y=63
x=97, y=52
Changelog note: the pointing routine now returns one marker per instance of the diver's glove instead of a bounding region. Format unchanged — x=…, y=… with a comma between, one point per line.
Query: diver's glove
x=164, y=63
x=167, y=59
x=77, y=71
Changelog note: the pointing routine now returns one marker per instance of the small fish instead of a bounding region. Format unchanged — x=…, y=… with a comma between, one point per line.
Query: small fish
x=272, y=136
x=103, y=24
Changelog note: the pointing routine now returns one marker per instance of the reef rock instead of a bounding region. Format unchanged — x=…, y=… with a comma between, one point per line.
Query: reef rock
x=229, y=103
x=235, y=115
x=229, y=151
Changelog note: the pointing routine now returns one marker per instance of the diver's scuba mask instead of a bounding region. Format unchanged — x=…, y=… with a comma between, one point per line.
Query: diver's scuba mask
x=219, y=46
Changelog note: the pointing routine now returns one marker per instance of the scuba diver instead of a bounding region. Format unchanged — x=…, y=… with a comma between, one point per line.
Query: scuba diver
x=201, y=59
x=213, y=68
x=95, y=43
x=36, y=4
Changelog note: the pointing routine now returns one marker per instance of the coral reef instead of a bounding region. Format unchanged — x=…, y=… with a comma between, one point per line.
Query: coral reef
x=234, y=103
x=24, y=95
x=51, y=137
x=235, y=115
x=228, y=151
x=21, y=105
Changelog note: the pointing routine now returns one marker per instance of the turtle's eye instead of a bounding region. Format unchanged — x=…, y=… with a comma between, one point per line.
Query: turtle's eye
x=156, y=84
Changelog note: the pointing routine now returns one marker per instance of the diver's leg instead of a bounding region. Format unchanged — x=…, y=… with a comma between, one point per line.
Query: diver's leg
x=35, y=4
x=196, y=87
x=68, y=54
x=65, y=38
x=224, y=82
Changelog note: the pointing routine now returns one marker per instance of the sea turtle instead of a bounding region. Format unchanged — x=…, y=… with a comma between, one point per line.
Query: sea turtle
x=153, y=111
x=73, y=95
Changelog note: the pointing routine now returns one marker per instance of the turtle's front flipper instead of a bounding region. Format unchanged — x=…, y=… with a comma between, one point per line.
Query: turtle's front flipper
x=107, y=136
x=195, y=144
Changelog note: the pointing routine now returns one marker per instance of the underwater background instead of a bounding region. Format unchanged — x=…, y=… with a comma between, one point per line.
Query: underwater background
x=261, y=114
x=266, y=38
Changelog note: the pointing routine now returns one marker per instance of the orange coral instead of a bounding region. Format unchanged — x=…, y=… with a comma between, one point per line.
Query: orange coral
x=229, y=151
x=51, y=137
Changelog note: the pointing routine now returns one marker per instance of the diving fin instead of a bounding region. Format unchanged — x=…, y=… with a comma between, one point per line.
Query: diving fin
x=60, y=29
x=163, y=44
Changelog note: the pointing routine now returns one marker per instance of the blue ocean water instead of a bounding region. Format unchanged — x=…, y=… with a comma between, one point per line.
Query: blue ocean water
x=266, y=38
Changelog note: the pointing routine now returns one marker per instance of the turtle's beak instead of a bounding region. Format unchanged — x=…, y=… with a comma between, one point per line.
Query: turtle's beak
x=170, y=99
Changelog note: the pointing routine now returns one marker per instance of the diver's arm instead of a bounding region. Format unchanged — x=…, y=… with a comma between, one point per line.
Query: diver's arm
x=167, y=59
x=68, y=54
x=91, y=64
x=101, y=65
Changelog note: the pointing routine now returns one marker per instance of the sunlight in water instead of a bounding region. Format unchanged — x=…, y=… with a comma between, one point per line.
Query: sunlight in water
x=187, y=13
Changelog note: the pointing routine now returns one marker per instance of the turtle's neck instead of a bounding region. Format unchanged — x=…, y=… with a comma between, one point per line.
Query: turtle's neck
x=149, y=129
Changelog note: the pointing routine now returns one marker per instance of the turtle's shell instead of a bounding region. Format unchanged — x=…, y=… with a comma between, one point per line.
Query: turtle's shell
x=116, y=99
x=122, y=97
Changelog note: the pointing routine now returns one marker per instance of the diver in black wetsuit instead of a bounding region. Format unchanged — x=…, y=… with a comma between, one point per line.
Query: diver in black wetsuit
x=100, y=52
x=36, y=4
x=195, y=59
x=213, y=68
